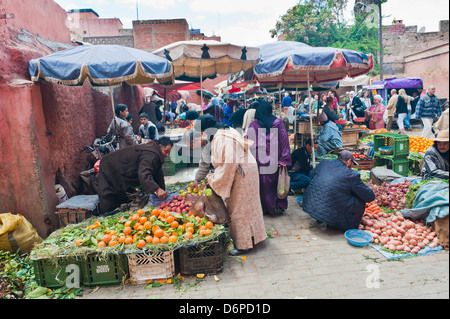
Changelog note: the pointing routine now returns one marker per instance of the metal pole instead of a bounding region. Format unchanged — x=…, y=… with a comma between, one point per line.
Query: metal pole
x=201, y=86
x=115, y=118
x=381, y=40
x=310, y=124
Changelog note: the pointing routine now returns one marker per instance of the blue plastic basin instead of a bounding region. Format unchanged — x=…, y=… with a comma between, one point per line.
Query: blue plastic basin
x=358, y=238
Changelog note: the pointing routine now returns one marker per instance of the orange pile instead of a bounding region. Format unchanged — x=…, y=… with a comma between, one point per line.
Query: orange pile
x=156, y=227
x=419, y=144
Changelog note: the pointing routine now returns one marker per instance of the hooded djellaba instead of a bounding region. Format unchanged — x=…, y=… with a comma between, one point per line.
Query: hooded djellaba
x=235, y=179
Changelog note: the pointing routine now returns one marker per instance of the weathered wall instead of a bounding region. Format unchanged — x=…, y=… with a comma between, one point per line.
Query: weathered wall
x=400, y=41
x=432, y=66
x=44, y=126
x=26, y=182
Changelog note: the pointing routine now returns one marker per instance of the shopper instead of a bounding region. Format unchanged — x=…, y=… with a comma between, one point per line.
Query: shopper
x=401, y=110
x=428, y=109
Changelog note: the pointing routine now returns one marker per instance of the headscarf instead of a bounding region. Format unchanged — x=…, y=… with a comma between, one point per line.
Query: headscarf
x=207, y=121
x=215, y=101
x=264, y=115
x=378, y=97
x=237, y=118
x=322, y=117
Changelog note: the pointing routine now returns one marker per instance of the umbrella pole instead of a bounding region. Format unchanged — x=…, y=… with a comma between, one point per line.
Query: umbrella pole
x=310, y=124
x=114, y=115
x=295, y=119
x=201, y=86
x=164, y=118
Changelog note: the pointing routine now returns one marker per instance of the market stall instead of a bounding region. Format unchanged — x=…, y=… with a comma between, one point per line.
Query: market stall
x=154, y=243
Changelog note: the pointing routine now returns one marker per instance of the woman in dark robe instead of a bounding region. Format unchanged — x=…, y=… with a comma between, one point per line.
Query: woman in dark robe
x=271, y=150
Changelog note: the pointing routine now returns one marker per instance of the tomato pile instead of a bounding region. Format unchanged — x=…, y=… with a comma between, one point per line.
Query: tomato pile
x=359, y=156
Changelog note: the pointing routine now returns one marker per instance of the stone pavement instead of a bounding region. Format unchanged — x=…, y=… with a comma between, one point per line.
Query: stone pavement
x=305, y=260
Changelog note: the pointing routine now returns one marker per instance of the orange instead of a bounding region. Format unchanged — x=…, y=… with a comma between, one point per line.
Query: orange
x=143, y=219
x=140, y=212
x=173, y=239
x=134, y=216
x=78, y=242
x=190, y=230
x=170, y=219
x=189, y=224
x=162, y=214
x=181, y=227
x=158, y=233
x=136, y=226
x=122, y=239
x=202, y=232
x=188, y=235
x=209, y=224
x=149, y=239
x=154, y=228
x=112, y=232
x=140, y=244
x=127, y=230
x=147, y=225
x=202, y=227
x=101, y=244
x=155, y=240
x=112, y=243
x=164, y=240
x=107, y=238
x=208, y=232
x=129, y=240
x=174, y=224
x=155, y=212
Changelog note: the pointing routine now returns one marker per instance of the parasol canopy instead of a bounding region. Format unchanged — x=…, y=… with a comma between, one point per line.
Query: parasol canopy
x=102, y=65
x=205, y=93
x=195, y=60
x=289, y=62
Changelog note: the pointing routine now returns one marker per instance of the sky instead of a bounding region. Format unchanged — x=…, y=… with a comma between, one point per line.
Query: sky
x=247, y=22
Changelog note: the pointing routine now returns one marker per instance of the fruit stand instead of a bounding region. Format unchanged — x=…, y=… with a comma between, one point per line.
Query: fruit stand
x=141, y=245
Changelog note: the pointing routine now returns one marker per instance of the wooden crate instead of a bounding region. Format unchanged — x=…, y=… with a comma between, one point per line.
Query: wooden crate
x=72, y=216
x=350, y=137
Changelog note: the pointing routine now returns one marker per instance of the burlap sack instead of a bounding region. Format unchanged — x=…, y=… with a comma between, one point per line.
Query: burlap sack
x=440, y=226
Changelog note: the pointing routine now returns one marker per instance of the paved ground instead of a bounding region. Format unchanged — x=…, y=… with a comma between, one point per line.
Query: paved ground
x=304, y=260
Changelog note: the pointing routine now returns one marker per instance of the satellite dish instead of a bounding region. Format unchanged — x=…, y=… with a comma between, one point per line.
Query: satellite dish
x=422, y=30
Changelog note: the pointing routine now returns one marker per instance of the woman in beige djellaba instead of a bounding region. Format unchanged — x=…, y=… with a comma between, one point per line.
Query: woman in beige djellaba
x=236, y=180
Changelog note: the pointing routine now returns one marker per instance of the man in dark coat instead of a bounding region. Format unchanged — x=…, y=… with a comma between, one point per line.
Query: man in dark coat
x=336, y=195
x=131, y=167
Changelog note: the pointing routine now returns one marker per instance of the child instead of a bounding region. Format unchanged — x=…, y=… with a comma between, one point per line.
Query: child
x=147, y=130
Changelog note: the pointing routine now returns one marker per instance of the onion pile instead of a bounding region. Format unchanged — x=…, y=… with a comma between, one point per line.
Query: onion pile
x=396, y=233
x=392, y=196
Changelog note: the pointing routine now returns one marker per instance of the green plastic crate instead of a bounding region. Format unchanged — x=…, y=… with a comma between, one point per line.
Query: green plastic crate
x=53, y=272
x=399, y=142
x=108, y=269
x=398, y=165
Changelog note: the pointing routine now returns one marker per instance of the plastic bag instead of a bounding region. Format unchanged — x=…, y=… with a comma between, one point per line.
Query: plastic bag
x=283, y=183
x=210, y=206
x=16, y=232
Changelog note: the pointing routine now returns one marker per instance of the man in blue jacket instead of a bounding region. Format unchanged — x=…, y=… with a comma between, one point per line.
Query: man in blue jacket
x=336, y=195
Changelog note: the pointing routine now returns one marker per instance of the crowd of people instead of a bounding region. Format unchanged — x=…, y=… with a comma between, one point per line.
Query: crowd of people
x=243, y=151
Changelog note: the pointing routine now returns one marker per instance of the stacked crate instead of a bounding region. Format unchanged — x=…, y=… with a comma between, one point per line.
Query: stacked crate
x=398, y=160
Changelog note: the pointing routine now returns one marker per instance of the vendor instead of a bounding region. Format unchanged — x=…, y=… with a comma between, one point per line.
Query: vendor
x=329, y=137
x=435, y=162
x=131, y=167
x=301, y=166
x=337, y=196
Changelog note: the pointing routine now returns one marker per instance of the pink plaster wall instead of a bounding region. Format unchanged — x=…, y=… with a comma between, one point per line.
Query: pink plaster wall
x=433, y=70
x=43, y=17
x=26, y=185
